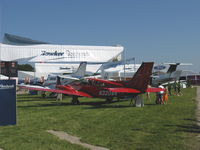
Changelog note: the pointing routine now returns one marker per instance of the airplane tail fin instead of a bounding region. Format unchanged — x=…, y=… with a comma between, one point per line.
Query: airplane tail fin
x=58, y=82
x=80, y=72
x=172, y=68
x=141, y=79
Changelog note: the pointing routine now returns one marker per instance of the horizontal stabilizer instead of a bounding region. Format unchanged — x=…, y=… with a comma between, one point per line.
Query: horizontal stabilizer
x=155, y=89
x=123, y=90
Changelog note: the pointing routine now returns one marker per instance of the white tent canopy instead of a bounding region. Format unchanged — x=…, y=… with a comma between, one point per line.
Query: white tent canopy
x=2, y=77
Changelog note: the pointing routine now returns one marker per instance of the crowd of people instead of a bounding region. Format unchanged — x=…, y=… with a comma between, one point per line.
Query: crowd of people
x=169, y=90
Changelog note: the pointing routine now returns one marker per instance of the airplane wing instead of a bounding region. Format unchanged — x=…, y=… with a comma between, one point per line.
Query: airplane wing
x=106, y=81
x=67, y=91
x=68, y=77
x=185, y=64
x=72, y=91
x=39, y=88
x=123, y=90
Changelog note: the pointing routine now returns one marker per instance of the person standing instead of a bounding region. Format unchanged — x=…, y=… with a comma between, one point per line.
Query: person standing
x=179, y=89
x=175, y=88
x=159, y=95
x=169, y=87
x=148, y=94
x=165, y=95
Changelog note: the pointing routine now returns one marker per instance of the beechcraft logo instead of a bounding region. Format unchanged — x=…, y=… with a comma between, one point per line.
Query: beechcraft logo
x=55, y=53
x=6, y=87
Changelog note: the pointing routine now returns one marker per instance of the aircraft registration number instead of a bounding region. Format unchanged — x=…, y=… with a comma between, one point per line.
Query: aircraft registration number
x=107, y=93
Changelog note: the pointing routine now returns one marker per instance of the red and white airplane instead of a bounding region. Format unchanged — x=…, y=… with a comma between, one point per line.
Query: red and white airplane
x=99, y=88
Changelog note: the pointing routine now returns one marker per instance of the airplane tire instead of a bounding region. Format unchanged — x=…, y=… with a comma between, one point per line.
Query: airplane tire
x=43, y=95
x=109, y=99
x=75, y=100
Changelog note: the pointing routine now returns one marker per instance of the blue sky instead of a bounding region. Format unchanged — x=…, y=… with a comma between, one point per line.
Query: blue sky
x=149, y=30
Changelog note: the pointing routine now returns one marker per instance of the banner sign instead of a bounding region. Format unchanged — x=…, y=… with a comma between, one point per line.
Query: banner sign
x=59, y=53
x=7, y=102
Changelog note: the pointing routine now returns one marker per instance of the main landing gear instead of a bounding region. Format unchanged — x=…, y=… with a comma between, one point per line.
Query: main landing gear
x=75, y=100
x=138, y=101
x=43, y=94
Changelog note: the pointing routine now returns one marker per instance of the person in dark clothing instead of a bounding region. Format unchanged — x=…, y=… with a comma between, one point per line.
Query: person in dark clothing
x=175, y=88
x=169, y=86
x=179, y=93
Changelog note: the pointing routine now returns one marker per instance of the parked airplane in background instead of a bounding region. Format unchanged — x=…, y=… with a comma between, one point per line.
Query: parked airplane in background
x=172, y=73
x=99, y=88
x=51, y=81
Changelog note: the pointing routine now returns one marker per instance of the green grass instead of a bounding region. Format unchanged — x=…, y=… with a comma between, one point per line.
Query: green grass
x=113, y=125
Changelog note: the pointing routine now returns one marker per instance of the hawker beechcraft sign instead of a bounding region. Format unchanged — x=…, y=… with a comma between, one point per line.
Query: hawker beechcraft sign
x=66, y=53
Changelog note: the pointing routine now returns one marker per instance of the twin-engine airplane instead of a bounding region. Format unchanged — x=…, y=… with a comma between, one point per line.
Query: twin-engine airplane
x=99, y=88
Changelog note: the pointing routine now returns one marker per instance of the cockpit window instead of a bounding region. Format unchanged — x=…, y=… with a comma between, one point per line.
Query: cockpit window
x=52, y=78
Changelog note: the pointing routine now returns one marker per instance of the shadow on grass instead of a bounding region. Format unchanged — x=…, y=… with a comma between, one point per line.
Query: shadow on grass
x=37, y=99
x=95, y=105
x=108, y=106
x=191, y=119
x=46, y=105
x=105, y=104
x=187, y=128
x=27, y=98
x=151, y=104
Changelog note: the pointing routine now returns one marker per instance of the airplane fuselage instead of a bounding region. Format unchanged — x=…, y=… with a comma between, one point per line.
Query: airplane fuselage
x=99, y=89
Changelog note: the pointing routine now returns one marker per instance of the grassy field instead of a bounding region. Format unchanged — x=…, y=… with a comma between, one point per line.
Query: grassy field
x=116, y=125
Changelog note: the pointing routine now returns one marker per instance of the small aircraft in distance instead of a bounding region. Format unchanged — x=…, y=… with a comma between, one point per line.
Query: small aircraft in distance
x=99, y=88
x=172, y=73
x=51, y=81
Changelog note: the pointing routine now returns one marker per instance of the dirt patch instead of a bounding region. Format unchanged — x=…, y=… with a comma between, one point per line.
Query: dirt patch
x=1, y=149
x=74, y=140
